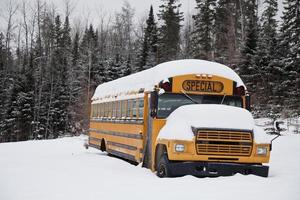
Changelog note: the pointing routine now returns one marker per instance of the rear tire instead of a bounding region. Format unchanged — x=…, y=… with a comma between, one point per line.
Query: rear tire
x=163, y=167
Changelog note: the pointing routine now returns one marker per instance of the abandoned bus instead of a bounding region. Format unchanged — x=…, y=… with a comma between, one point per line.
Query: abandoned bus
x=180, y=117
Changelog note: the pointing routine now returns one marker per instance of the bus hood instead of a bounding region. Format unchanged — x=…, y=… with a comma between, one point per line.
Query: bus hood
x=180, y=122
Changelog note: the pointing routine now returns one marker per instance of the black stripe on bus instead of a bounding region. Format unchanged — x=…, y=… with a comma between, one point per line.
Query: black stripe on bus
x=95, y=139
x=121, y=154
x=114, y=133
x=118, y=121
x=94, y=146
x=124, y=146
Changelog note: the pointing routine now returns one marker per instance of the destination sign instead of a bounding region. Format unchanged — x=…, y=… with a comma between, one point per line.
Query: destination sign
x=202, y=86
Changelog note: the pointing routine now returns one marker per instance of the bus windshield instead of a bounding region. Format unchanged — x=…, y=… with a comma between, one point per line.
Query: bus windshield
x=168, y=102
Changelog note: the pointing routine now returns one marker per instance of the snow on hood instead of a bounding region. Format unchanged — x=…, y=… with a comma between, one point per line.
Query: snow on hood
x=179, y=123
x=147, y=79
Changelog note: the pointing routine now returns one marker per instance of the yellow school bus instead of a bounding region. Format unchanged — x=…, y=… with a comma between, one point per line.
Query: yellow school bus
x=130, y=117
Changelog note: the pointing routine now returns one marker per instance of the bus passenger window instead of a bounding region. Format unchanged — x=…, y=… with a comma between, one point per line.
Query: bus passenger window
x=119, y=109
x=109, y=109
x=96, y=110
x=101, y=110
x=134, y=108
x=106, y=110
x=141, y=108
x=128, y=113
x=124, y=109
x=92, y=110
x=114, y=110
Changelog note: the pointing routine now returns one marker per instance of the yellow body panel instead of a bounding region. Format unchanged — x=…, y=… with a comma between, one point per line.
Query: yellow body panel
x=126, y=129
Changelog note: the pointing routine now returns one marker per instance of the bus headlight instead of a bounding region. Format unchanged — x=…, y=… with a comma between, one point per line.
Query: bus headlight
x=261, y=150
x=179, y=147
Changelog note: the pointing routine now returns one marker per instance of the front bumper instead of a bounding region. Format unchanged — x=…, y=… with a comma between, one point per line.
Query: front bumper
x=214, y=169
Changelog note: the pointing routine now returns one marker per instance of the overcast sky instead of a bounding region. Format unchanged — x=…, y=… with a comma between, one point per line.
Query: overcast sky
x=88, y=11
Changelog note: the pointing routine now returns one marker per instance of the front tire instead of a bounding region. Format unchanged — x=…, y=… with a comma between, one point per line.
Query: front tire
x=163, y=167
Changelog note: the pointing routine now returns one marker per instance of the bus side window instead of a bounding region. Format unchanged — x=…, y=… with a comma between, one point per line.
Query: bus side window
x=110, y=109
x=124, y=109
x=96, y=110
x=134, y=108
x=141, y=108
x=113, y=110
x=92, y=110
x=119, y=110
x=101, y=110
x=105, y=110
x=128, y=112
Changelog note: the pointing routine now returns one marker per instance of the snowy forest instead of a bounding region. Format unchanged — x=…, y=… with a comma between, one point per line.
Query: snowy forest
x=50, y=67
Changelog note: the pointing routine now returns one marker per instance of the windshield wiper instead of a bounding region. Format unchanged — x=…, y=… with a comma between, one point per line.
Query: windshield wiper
x=190, y=98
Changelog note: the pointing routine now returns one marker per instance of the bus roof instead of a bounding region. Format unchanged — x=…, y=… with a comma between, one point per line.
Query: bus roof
x=147, y=79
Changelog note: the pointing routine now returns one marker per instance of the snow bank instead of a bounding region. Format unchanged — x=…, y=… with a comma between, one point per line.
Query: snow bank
x=147, y=79
x=179, y=123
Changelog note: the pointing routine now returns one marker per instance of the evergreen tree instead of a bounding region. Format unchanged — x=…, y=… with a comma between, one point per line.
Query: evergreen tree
x=127, y=69
x=203, y=35
x=267, y=56
x=76, y=81
x=58, y=72
x=91, y=65
x=248, y=69
x=148, y=56
x=290, y=54
x=169, y=31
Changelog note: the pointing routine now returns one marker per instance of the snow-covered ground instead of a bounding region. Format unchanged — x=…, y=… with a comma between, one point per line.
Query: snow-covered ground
x=62, y=169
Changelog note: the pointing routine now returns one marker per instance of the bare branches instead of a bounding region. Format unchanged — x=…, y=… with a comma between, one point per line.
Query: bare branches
x=69, y=7
x=11, y=11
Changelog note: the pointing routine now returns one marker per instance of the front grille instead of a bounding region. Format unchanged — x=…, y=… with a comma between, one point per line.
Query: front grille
x=224, y=142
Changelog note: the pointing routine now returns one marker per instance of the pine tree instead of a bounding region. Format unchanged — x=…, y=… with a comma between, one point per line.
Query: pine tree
x=290, y=54
x=169, y=31
x=248, y=69
x=267, y=60
x=148, y=56
x=203, y=35
x=91, y=65
x=76, y=80
x=127, y=67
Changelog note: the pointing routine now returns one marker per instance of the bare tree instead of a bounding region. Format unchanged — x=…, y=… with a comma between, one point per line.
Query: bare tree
x=11, y=10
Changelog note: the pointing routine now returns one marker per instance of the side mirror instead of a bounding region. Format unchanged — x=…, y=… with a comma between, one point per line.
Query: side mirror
x=277, y=126
x=248, y=102
x=153, y=103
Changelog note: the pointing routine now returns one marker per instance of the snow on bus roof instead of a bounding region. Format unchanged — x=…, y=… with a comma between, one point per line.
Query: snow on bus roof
x=147, y=79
